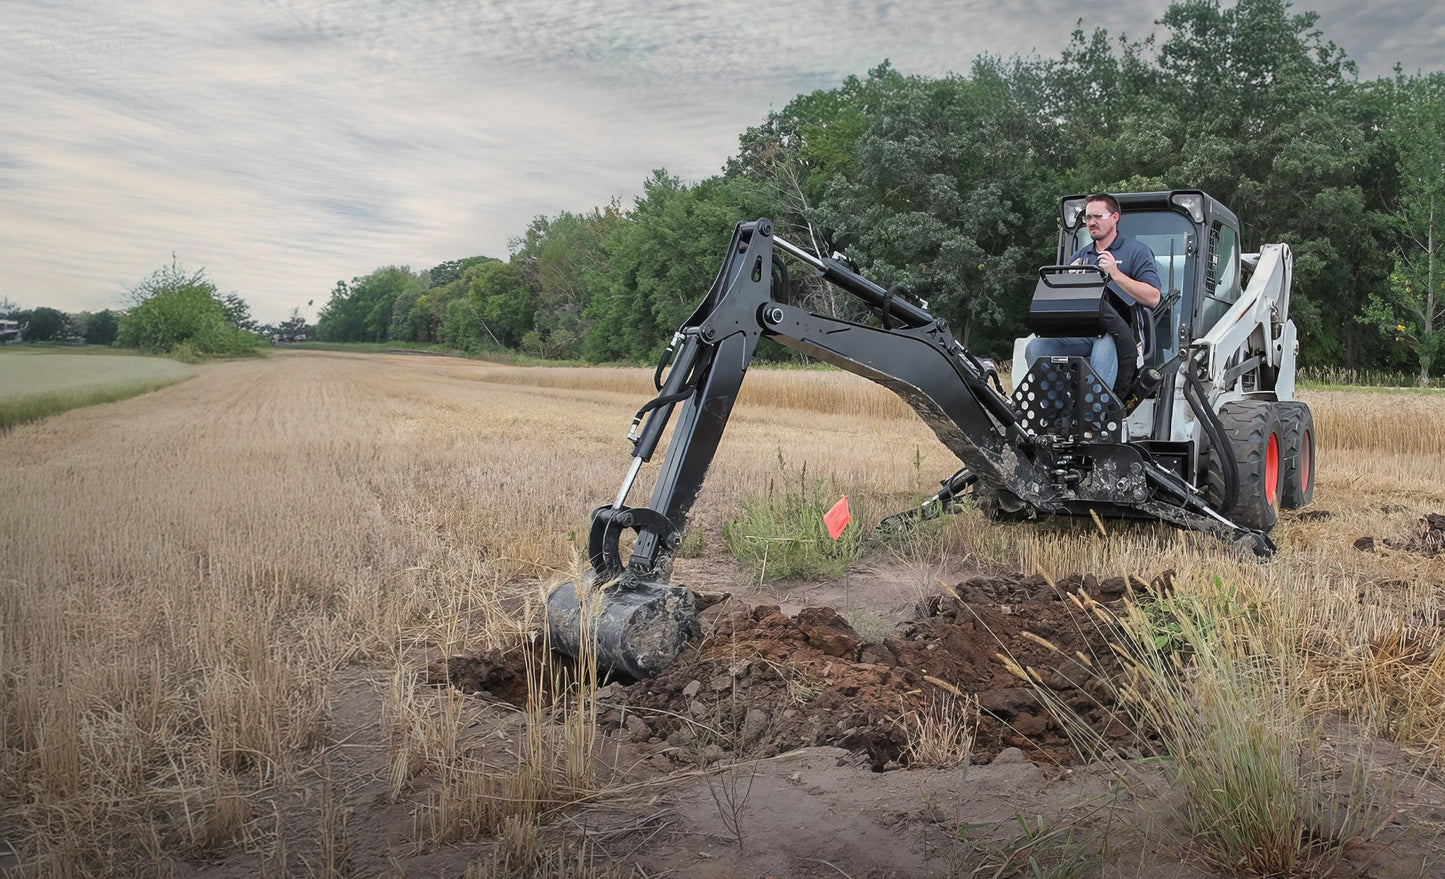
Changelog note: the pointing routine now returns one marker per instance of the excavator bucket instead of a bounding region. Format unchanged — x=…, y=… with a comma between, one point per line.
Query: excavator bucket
x=629, y=625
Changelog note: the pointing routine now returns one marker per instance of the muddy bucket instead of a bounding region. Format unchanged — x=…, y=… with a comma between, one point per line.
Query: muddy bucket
x=637, y=628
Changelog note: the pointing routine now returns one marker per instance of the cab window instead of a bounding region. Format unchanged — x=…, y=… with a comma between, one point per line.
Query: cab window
x=1221, y=281
x=1167, y=234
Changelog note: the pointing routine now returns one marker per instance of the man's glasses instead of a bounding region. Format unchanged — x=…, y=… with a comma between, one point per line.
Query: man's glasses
x=1097, y=216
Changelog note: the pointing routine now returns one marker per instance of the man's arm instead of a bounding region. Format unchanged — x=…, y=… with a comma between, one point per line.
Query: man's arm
x=1139, y=289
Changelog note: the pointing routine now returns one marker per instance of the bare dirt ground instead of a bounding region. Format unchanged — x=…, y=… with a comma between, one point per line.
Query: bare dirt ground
x=776, y=745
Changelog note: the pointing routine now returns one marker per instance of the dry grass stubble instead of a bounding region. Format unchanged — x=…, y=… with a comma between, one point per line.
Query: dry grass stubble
x=183, y=574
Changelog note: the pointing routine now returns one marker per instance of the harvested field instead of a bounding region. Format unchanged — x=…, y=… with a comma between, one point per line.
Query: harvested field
x=27, y=372
x=36, y=383
x=279, y=620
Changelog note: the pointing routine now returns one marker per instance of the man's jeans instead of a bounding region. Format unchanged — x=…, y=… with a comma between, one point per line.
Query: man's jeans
x=1100, y=352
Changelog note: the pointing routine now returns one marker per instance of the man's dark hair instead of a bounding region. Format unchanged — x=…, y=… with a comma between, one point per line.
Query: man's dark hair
x=1107, y=199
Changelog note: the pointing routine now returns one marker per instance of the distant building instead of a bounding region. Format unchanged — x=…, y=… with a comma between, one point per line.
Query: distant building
x=11, y=331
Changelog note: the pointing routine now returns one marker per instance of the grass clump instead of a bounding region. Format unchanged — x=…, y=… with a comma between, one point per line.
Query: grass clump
x=1215, y=685
x=1224, y=691
x=781, y=532
x=1039, y=850
x=941, y=733
x=872, y=628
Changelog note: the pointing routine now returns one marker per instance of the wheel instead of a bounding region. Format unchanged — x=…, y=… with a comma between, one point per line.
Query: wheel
x=1255, y=436
x=1297, y=454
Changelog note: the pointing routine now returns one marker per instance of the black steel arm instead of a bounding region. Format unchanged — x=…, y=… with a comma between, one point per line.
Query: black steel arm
x=1011, y=469
x=918, y=360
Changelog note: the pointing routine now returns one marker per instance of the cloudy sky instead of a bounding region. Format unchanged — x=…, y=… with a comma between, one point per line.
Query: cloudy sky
x=287, y=144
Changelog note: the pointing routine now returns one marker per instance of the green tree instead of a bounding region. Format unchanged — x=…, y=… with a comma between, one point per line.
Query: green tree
x=294, y=328
x=945, y=199
x=564, y=261
x=238, y=313
x=362, y=310
x=451, y=271
x=1411, y=307
x=1272, y=122
x=1251, y=103
x=337, y=321
x=45, y=324
x=461, y=326
x=660, y=263
x=794, y=157
x=180, y=314
x=796, y=152
x=412, y=318
x=503, y=306
x=100, y=328
x=1102, y=96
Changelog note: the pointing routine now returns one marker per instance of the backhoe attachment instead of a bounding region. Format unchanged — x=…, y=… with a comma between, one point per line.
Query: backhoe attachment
x=626, y=610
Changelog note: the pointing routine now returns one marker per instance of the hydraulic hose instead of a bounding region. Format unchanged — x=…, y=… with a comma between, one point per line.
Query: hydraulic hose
x=1218, y=439
x=1118, y=329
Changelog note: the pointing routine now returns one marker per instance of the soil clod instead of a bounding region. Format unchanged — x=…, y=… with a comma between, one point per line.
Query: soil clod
x=1427, y=540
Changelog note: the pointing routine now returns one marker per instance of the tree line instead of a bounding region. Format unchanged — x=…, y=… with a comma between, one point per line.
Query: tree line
x=949, y=186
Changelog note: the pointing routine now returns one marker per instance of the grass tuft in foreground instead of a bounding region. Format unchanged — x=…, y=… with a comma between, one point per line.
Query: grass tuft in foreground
x=1264, y=793
x=1213, y=677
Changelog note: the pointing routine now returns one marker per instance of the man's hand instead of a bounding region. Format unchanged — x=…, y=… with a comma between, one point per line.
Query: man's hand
x=1140, y=292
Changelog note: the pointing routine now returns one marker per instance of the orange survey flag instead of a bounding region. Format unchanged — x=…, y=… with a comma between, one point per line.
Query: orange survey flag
x=837, y=518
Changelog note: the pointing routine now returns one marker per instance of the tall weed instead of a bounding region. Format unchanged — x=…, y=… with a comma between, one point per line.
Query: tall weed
x=1225, y=691
x=781, y=533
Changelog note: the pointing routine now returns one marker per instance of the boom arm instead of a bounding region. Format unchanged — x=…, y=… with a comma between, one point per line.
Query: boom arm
x=710, y=354
x=918, y=359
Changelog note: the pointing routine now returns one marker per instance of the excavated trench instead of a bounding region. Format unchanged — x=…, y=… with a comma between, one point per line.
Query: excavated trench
x=755, y=682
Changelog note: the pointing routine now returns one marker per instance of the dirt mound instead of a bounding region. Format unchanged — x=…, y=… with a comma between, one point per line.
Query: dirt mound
x=1428, y=539
x=757, y=682
x=763, y=682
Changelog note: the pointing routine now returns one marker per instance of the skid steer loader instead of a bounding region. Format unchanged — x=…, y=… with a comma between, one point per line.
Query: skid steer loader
x=1200, y=428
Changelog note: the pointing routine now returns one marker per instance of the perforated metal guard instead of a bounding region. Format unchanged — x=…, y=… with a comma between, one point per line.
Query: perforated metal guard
x=1063, y=396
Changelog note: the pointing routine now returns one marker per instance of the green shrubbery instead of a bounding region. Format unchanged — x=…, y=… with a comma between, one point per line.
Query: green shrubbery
x=182, y=316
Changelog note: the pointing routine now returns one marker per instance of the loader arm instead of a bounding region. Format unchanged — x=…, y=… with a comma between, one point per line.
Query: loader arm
x=1262, y=310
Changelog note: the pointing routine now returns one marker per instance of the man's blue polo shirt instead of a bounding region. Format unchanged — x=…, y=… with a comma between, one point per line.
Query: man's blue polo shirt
x=1135, y=259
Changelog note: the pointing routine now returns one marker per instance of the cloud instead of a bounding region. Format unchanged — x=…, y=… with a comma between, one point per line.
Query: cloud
x=289, y=144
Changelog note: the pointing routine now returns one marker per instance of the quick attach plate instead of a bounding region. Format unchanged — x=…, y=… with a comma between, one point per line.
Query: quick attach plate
x=1064, y=397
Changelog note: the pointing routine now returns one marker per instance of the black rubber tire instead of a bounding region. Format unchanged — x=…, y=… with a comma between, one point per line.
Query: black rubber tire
x=1257, y=438
x=1297, y=454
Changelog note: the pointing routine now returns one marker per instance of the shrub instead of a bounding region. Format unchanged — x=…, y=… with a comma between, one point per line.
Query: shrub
x=180, y=315
x=781, y=532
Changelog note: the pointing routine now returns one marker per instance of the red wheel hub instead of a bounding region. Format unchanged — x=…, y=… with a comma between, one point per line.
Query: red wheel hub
x=1271, y=472
x=1306, y=442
